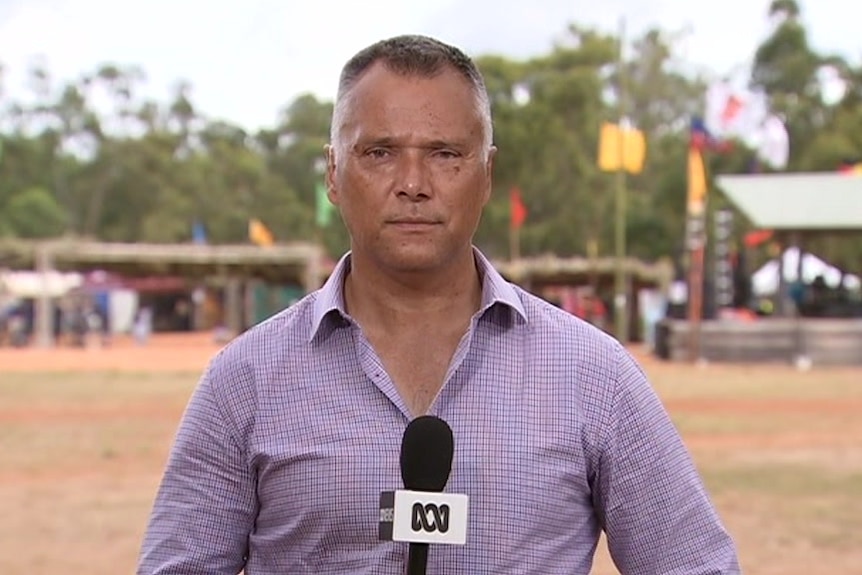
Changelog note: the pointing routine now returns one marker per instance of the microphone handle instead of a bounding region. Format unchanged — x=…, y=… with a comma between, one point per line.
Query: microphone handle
x=417, y=559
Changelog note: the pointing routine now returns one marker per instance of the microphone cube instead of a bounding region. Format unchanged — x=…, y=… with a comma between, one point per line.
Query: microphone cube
x=423, y=517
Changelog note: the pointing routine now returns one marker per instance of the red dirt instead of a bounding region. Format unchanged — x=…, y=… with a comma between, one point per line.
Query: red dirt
x=191, y=352
x=164, y=353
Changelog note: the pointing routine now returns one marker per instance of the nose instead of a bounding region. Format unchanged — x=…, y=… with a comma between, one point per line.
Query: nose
x=412, y=180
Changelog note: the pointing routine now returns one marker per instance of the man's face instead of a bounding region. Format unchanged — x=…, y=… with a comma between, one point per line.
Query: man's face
x=410, y=171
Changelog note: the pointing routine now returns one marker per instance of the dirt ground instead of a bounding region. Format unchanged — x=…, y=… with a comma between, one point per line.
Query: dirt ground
x=84, y=434
x=164, y=352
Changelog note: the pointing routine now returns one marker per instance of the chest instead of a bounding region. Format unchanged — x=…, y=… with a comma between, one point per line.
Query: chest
x=417, y=363
x=324, y=486
x=323, y=450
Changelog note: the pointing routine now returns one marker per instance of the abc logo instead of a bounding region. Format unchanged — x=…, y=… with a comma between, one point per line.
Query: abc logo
x=430, y=517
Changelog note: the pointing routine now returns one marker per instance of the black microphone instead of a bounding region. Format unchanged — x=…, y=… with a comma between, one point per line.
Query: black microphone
x=426, y=461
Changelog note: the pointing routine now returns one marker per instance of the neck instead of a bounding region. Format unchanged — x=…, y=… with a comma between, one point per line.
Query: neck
x=391, y=300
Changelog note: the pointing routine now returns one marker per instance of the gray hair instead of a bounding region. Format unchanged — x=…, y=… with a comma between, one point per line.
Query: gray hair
x=412, y=55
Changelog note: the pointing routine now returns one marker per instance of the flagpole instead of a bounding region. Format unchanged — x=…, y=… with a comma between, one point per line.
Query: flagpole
x=695, y=300
x=697, y=237
x=514, y=243
x=620, y=297
x=517, y=215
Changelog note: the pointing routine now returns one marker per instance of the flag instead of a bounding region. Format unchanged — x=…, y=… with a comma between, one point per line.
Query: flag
x=702, y=139
x=324, y=207
x=850, y=168
x=756, y=238
x=735, y=112
x=696, y=182
x=199, y=233
x=774, y=143
x=615, y=142
x=259, y=234
x=732, y=108
x=517, y=209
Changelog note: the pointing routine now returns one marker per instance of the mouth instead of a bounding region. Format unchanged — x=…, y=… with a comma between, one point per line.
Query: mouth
x=413, y=224
x=413, y=221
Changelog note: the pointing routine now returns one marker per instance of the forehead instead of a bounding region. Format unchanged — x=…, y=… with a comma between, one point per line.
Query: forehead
x=383, y=103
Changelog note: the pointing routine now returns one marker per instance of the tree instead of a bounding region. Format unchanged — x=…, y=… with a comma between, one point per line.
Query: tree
x=823, y=134
x=34, y=213
x=145, y=170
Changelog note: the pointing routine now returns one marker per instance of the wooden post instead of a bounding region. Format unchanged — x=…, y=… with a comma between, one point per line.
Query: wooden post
x=44, y=309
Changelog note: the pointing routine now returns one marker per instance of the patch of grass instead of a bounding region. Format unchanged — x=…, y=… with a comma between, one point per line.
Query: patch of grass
x=100, y=388
x=754, y=382
x=810, y=507
x=721, y=424
x=790, y=481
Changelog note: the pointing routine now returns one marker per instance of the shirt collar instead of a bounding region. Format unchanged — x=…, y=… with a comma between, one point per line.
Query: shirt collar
x=495, y=290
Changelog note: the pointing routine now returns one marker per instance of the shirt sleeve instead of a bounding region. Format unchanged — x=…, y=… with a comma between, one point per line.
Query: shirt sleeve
x=206, y=504
x=650, y=498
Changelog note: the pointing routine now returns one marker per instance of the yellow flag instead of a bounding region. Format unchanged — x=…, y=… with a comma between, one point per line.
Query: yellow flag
x=696, y=183
x=618, y=148
x=259, y=234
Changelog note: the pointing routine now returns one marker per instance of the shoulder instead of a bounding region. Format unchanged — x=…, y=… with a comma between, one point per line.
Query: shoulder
x=256, y=353
x=598, y=365
x=550, y=325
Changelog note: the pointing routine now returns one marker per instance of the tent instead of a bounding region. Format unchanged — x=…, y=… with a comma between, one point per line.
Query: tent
x=29, y=284
x=765, y=280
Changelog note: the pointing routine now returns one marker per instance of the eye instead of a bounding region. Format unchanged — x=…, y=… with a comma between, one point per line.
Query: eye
x=446, y=154
x=378, y=153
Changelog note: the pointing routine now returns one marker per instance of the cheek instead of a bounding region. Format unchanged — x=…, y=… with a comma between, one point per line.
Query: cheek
x=365, y=185
x=471, y=195
x=359, y=204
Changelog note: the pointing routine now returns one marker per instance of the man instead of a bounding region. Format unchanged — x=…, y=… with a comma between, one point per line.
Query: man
x=295, y=428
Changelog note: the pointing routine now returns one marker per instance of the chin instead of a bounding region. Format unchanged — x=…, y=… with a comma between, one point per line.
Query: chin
x=413, y=259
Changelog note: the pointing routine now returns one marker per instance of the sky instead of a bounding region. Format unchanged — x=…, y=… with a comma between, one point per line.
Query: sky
x=247, y=60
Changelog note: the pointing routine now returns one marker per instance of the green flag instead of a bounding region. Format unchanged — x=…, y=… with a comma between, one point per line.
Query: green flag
x=324, y=207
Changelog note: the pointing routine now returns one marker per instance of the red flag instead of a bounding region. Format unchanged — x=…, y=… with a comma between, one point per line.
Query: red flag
x=517, y=209
x=731, y=109
x=757, y=237
x=850, y=168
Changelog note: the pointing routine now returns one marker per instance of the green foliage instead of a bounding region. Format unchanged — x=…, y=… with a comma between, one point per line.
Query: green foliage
x=34, y=213
x=148, y=171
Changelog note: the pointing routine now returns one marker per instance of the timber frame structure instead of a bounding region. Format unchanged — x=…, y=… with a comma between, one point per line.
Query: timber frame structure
x=303, y=264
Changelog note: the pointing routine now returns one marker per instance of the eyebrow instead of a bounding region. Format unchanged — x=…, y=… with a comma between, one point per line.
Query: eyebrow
x=393, y=142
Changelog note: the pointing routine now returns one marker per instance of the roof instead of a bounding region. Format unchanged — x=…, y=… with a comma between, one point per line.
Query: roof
x=281, y=262
x=549, y=269
x=797, y=202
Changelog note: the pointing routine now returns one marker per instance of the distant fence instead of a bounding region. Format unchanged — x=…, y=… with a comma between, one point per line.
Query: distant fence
x=823, y=341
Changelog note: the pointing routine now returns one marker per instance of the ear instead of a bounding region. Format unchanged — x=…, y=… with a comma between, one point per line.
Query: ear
x=331, y=190
x=489, y=173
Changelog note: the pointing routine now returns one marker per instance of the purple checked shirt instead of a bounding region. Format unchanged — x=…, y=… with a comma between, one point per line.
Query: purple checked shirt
x=295, y=429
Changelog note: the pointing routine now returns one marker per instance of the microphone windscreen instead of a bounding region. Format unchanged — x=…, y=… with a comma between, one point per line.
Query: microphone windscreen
x=426, y=454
